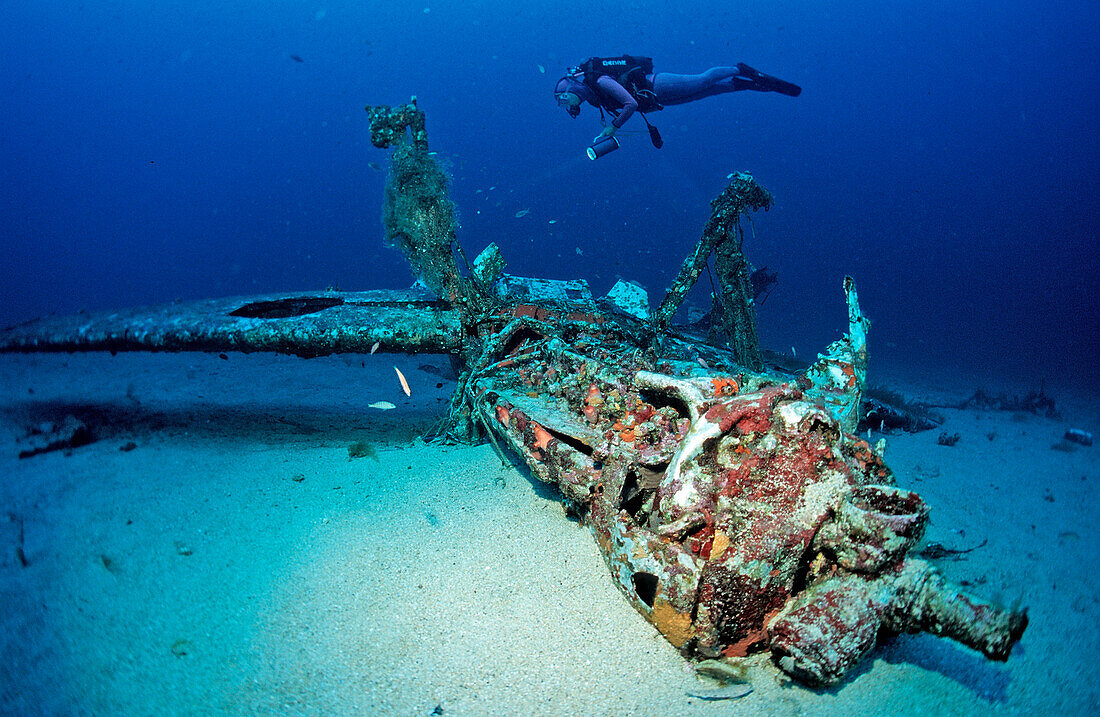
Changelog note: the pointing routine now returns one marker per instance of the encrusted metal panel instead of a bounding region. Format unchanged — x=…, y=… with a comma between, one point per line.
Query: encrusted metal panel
x=303, y=323
x=736, y=509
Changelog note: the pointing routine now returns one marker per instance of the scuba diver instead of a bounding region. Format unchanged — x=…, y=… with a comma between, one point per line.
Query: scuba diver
x=627, y=84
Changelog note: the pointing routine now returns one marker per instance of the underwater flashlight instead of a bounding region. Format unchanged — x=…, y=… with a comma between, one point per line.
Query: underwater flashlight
x=605, y=145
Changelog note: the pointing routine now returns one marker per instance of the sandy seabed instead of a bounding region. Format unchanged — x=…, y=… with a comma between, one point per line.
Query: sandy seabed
x=216, y=551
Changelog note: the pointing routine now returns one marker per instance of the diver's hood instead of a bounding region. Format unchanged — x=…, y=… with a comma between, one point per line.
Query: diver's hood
x=570, y=83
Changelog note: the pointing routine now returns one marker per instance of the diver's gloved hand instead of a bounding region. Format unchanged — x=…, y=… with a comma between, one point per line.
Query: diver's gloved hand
x=608, y=131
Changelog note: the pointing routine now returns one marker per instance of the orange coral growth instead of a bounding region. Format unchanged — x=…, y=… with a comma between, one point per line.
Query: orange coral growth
x=724, y=387
x=642, y=412
x=745, y=645
x=592, y=403
x=594, y=397
x=673, y=624
x=542, y=436
x=742, y=647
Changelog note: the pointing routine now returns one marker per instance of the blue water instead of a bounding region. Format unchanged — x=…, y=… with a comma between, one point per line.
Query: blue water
x=945, y=154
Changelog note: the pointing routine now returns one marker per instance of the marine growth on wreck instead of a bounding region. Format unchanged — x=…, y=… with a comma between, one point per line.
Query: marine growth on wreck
x=733, y=502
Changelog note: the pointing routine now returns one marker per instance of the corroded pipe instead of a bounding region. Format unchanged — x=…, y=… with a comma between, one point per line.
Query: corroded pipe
x=943, y=609
x=833, y=624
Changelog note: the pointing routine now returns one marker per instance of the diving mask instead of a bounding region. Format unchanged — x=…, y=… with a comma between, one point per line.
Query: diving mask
x=570, y=101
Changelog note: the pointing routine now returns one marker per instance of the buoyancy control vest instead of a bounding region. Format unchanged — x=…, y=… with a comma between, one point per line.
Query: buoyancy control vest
x=631, y=72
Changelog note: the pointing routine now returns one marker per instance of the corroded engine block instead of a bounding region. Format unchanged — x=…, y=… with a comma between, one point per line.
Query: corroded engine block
x=736, y=510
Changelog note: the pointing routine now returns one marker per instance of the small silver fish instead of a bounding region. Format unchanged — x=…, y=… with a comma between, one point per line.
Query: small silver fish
x=381, y=405
x=522, y=213
x=404, y=383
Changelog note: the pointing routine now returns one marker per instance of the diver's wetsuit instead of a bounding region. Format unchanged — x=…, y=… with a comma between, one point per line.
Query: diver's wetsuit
x=673, y=89
x=677, y=89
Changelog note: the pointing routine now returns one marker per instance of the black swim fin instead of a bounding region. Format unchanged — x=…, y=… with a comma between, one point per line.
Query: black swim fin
x=760, y=82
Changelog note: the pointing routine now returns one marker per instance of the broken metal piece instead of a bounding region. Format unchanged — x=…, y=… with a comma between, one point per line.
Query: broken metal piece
x=724, y=236
x=1079, y=436
x=489, y=265
x=417, y=210
x=545, y=291
x=936, y=551
x=388, y=125
x=888, y=411
x=840, y=373
x=70, y=433
x=631, y=298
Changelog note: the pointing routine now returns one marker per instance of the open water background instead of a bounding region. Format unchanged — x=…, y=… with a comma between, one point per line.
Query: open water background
x=945, y=154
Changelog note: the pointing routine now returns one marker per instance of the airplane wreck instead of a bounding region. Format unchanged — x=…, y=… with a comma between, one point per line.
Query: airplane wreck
x=735, y=505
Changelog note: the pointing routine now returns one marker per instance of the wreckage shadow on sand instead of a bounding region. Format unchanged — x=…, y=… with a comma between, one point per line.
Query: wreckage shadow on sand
x=248, y=423
x=987, y=681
